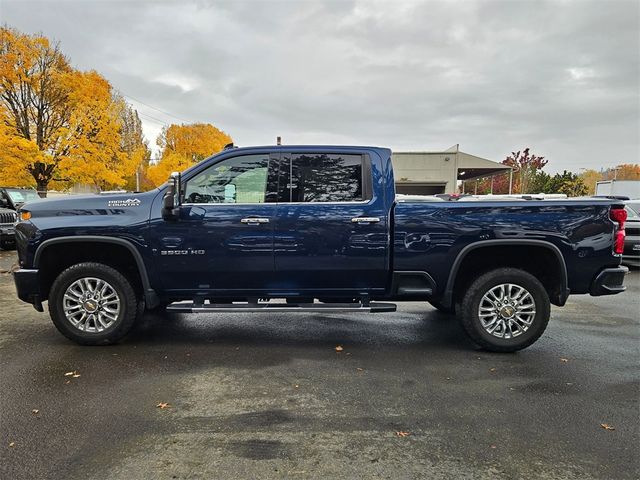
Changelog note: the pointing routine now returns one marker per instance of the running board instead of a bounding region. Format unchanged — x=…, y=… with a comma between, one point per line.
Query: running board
x=191, y=307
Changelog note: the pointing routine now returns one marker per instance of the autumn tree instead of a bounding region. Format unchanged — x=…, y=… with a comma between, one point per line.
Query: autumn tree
x=34, y=103
x=525, y=168
x=59, y=124
x=184, y=145
x=135, y=146
x=590, y=178
x=626, y=171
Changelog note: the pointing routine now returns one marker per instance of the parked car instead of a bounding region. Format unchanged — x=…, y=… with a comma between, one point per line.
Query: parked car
x=8, y=220
x=14, y=197
x=631, y=255
x=246, y=228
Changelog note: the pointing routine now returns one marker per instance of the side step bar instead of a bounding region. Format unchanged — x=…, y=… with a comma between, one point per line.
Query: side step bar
x=191, y=307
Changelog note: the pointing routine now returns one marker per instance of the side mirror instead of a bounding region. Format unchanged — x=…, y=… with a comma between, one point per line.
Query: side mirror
x=4, y=203
x=171, y=199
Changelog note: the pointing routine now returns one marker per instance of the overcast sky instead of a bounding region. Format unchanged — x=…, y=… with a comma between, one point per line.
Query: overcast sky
x=562, y=77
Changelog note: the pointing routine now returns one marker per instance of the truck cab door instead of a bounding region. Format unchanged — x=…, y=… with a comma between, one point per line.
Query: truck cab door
x=222, y=243
x=331, y=232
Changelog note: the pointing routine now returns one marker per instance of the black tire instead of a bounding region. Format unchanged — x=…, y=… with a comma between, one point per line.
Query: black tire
x=441, y=308
x=470, y=319
x=7, y=245
x=129, y=311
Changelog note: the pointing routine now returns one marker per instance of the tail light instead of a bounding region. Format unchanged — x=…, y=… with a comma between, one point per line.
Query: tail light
x=618, y=215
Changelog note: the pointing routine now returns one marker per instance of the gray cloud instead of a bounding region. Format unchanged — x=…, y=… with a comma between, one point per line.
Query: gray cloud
x=560, y=76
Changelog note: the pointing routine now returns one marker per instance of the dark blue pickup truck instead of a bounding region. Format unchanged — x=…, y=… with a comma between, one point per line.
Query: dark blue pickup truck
x=312, y=228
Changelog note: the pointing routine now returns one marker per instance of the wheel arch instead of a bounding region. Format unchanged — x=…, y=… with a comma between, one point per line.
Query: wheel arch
x=558, y=297
x=150, y=296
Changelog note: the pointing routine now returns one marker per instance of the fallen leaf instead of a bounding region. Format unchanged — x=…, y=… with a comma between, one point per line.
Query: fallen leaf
x=564, y=360
x=493, y=446
x=360, y=369
x=402, y=434
x=75, y=376
x=296, y=386
x=12, y=444
x=339, y=348
x=67, y=382
x=68, y=374
x=606, y=426
x=492, y=369
x=162, y=405
x=35, y=411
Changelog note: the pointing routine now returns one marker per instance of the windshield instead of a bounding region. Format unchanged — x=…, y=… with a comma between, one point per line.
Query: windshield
x=22, y=196
x=633, y=209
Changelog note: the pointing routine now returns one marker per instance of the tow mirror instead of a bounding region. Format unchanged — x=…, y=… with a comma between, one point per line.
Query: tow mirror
x=171, y=199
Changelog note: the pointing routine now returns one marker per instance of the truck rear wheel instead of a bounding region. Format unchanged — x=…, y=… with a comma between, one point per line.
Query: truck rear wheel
x=93, y=304
x=505, y=310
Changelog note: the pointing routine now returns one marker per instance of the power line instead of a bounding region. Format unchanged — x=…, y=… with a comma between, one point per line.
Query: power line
x=155, y=108
x=148, y=117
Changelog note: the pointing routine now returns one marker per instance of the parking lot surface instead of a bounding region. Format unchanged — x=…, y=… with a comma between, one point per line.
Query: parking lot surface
x=270, y=396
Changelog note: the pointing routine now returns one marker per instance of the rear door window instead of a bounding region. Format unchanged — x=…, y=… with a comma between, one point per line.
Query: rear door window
x=321, y=177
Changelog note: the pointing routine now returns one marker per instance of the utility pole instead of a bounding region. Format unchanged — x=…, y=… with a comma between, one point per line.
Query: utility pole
x=138, y=179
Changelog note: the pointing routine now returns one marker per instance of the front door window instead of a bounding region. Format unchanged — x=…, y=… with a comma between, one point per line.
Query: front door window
x=235, y=180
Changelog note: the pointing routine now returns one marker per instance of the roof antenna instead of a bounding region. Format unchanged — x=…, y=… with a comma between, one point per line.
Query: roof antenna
x=278, y=140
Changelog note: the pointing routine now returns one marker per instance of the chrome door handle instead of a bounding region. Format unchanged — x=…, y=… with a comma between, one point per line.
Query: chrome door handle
x=254, y=221
x=365, y=220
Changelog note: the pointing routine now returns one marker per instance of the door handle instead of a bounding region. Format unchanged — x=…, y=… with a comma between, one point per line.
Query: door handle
x=254, y=221
x=365, y=220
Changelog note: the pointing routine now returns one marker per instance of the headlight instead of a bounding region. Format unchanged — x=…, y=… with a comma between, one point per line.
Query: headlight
x=25, y=215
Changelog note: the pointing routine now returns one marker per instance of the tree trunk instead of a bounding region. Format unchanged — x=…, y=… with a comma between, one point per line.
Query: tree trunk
x=41, y=186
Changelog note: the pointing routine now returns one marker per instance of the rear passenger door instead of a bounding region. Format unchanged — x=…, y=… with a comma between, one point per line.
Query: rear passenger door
x=331, y=229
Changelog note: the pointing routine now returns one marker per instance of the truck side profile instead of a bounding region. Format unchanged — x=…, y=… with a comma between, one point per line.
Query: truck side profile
x=312, y=228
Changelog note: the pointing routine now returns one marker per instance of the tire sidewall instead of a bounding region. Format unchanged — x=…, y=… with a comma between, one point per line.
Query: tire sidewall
x=117, y=282
x=516, y=277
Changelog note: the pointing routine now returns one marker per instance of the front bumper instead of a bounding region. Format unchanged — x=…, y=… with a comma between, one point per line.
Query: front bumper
x=28, y=287
x=609, y=281
x=7, y=233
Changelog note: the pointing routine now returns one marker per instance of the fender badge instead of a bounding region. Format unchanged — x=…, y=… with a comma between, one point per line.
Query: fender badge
x=129, y=202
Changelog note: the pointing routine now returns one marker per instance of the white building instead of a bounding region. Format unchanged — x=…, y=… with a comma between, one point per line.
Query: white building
x=429, y=173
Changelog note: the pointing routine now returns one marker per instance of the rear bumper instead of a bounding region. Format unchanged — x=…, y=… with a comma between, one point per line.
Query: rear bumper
x=28, y=287
x=609, y=281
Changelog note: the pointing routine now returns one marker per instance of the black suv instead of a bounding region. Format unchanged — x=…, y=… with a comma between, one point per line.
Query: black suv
x=14, y=197
x=8, y=220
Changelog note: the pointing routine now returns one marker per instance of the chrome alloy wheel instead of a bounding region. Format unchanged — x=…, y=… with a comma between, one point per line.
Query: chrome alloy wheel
x=91, y=305
x=507, y=310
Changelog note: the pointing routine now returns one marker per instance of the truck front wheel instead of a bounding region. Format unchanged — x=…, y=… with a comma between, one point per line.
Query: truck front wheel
x=93, y=304
x=505, y=310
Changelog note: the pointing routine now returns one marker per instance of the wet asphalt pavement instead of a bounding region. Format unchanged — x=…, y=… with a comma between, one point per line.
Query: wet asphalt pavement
x=268, y=396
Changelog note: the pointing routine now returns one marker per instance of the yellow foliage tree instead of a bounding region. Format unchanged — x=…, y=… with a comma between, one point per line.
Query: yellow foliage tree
x=590, y=178
x=184, y=145
x=59, y=123
x=171, y=162
x=627, y=171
